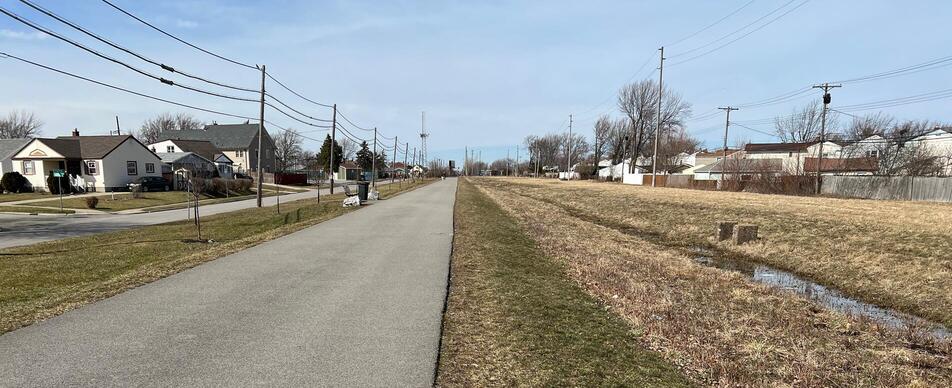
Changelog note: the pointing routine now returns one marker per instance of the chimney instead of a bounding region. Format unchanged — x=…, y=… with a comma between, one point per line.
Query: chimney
x=75, y=132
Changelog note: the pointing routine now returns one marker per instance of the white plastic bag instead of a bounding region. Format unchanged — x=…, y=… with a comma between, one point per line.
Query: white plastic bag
x=373, y=195
x=352, y=201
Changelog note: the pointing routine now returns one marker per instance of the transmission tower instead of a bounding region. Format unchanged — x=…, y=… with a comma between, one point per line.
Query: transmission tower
x=423, y=136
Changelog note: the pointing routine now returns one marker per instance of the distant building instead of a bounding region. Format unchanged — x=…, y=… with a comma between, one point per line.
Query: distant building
x=239, y=142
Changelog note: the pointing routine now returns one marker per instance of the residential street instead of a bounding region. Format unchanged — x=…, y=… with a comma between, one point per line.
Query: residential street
x=354, y=301
x=16, y=230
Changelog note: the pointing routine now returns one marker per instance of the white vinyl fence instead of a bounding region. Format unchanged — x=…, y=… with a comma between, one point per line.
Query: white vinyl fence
x=931, y=189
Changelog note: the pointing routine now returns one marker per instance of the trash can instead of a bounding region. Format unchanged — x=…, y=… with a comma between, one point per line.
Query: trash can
x=363, y=188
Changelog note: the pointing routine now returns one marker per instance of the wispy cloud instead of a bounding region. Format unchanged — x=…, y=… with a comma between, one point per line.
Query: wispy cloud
x=182, y=23
x=10, y=34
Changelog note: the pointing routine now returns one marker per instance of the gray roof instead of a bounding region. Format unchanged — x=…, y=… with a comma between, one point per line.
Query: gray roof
x=9, y=147
x=222, y=136
x=175, y=157
x=743, y=166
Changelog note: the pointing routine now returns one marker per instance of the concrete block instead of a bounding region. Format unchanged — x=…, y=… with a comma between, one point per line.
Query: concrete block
x=744, y=234
x=725, y=229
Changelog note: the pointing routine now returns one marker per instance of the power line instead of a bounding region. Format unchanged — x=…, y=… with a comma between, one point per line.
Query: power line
x=140, y=94
x=771, y=21
x=129, y=51
x=712, y=24
x=177, y=38
x=339, y=113
x=121, y=63
x=296, y=93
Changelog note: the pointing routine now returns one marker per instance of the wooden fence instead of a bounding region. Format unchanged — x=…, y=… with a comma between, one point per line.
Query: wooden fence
x=931, y=189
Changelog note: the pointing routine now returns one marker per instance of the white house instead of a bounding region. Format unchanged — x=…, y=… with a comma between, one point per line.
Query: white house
x=94, y=163
x=9, y=148
x=938, y=143
x=238, y=142
x=203, y=148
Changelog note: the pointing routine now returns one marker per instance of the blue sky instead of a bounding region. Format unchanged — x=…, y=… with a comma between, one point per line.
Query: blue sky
x=487, y=73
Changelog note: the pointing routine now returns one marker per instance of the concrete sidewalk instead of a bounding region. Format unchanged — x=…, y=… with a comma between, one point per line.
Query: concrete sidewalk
x=354, y=301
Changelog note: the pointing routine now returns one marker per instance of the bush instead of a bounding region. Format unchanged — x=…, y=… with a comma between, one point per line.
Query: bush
x=585, y=170
x=244, y=185
x=13, y=182
x=92, y=202
x=218, y=186
x=137, y=192
x=54, y=184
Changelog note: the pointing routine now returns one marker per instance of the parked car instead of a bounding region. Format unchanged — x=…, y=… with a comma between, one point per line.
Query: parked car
x=150, y=183
x=239, y=175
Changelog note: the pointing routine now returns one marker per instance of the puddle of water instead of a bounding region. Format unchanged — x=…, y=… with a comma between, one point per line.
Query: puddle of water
x=822, y=295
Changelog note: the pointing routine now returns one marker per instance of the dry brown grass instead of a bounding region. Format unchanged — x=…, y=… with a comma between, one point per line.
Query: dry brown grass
x=724, y=329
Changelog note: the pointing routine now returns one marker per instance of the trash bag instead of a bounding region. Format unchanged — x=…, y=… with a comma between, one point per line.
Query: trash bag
x=352, y=201
x=373, y=195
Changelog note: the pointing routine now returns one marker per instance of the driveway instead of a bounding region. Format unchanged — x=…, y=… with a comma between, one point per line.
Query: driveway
x=354, y=301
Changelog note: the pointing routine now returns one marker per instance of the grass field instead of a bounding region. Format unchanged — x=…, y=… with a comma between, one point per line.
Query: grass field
x=514, y=319
x=38, y=210
x=10, y=197
x=124, y=201
x=43, y=280
x=630, y=248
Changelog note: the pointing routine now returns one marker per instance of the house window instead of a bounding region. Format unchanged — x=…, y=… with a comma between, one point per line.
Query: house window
x=150, y=167
x=132, y=168
x=91, y=167
x=239, y=153
x=28, y=167
x=170, y=149
x=872, y=154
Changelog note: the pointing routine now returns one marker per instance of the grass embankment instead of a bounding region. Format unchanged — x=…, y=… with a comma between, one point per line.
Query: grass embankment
x=38, y=210
x=43, y=280
x=514, y=318
x=892, y=254
x=625, y=246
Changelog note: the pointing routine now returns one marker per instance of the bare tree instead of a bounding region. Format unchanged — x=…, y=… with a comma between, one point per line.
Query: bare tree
x=287, y=149
x=151, y=129
x=671, y=150
x=603, y=133
x=869, y=125
x=348, y=148
x=639, y=102
x=19, y=125
x=803, y=124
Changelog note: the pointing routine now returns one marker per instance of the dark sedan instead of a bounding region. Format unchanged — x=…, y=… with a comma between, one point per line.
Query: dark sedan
x=150, y=183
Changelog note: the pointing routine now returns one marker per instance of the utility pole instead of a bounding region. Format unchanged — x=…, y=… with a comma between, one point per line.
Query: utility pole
x=537, y=172
x=260, y=136
x=406, y=154
x=393, y=166
x=117, y=126
x=332, y=148
x=465, y=160
x=568, y=167
x=507, y=162
x=727, y=125
x=373, y=162
x=826, y=106
x=657, y=138
x=517, y=160
x=423, y=136
x=414, y=160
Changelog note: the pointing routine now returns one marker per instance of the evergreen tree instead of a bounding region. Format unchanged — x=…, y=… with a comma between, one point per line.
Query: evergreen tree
x=365, y=157
x=324, y=157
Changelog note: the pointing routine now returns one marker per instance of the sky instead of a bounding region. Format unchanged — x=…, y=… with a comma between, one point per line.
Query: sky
x=487, y=73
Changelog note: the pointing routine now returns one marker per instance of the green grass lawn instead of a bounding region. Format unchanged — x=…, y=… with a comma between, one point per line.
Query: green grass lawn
x=124, y=201
x=46, y=279
x=30, y=209
x=10, y=197
x=514, y=318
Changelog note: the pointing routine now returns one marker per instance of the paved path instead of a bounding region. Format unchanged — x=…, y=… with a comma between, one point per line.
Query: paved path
x=326, y=306
x=16, y=230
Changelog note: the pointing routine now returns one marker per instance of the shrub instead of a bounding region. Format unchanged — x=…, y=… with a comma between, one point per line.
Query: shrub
x=54, y=184
x=218, y=186
x=137, y=192
x=92, y=202
x=244, y=185
x=585, y=170
x=14, y=182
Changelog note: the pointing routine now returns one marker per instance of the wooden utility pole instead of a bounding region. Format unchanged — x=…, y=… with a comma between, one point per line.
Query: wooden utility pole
x=826, y=106
x=330, y=167
x=373, y=162
x=657, y=138
x=507, y=162
x=517, y=160
x=568, y=167
x=406, y=154
x=727, y=125
x=414, y=161
x=260, y=136
x=394, y=165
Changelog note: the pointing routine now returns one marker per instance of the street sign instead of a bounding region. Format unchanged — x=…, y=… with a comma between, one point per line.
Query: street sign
x=59, y=173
